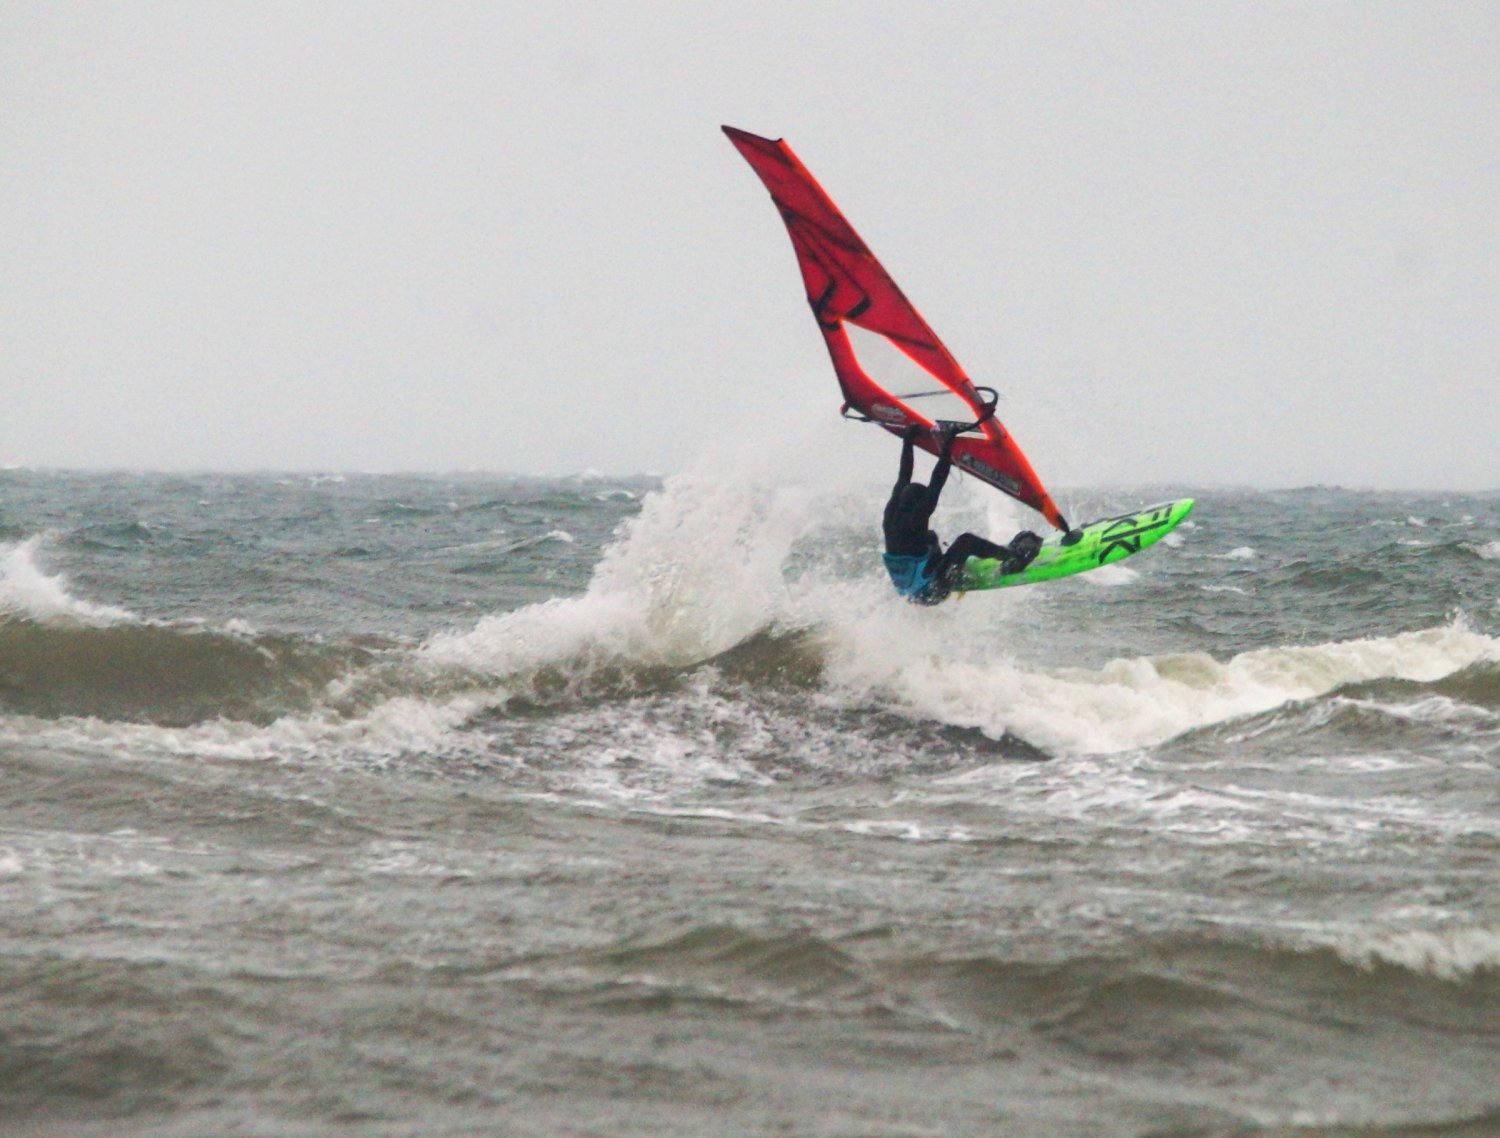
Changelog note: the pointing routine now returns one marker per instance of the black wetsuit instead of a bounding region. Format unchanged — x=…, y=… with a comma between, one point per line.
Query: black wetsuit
x=919, y=568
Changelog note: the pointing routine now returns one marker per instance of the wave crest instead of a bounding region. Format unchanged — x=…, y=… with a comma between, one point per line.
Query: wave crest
x=26, y=591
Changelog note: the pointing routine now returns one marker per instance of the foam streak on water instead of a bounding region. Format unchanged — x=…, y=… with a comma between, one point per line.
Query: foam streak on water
x=453, y=806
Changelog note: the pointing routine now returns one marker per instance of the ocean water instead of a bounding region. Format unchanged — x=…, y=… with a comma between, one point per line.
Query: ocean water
x=440, y=806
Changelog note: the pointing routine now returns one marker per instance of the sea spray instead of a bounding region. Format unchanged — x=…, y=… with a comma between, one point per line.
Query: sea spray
x=699, y=570
x=28, y=592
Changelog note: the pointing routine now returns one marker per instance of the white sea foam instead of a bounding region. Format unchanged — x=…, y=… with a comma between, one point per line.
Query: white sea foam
x=519, y=544
x=406, y=859
x=1129, y=702
x=27, y=591
x=906, y=830
x=1108, y=792
x=1490, y=551
x=1112, y=576
x=1448, y=954
x=398, y=726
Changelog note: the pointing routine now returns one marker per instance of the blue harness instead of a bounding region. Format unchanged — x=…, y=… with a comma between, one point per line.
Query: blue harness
x=911, y=574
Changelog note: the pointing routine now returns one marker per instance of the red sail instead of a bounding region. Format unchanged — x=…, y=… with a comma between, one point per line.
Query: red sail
x=847, y=285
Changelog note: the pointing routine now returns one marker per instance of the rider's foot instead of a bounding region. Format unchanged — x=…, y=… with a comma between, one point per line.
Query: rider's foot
x=1023, y=550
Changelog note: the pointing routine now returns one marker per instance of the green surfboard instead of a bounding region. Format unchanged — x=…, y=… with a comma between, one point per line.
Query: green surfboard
x=1089, y=547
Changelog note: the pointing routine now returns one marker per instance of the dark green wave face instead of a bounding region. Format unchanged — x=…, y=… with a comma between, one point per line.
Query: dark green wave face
x=474, y=805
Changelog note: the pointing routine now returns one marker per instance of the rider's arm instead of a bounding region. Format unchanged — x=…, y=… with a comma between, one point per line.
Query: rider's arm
x=940, y=471
x=908, y=442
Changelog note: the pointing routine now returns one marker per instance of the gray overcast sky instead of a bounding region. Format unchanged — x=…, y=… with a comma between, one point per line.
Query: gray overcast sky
x=1212, y=242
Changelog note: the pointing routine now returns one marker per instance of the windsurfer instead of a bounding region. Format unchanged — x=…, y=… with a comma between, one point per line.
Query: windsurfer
x=920, y=569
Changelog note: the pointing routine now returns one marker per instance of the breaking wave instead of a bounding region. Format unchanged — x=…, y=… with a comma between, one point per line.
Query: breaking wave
x=62, y=656
x=712, y=573
x=28, y=592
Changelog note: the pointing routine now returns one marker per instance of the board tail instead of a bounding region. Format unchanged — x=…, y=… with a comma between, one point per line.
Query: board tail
x=848, y=288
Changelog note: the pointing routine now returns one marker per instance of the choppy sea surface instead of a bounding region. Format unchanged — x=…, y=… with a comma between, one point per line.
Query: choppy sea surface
x=440, y=806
